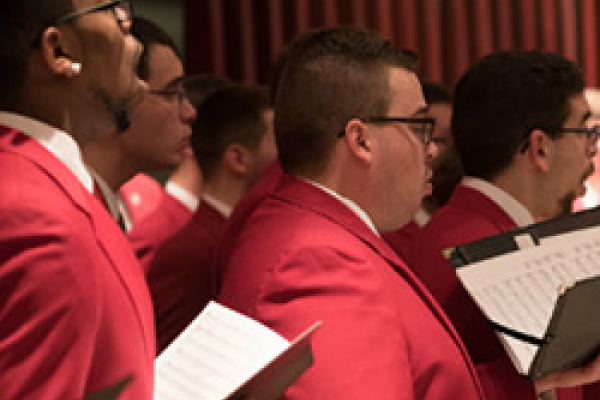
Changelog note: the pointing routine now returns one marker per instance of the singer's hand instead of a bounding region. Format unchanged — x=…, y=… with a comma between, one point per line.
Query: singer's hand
x=589, y=373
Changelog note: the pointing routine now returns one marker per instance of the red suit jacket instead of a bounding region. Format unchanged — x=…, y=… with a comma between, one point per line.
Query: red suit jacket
x=75, y=313
x=264, y=186
x=303, y=256
x=469, y=216
x=182, y=276
x=155, y=228
x=141, y=196
x=400, y=240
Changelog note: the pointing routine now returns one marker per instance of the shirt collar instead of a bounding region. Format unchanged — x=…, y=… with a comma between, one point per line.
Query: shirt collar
x=57, y=142
x=360, y=213
x=515, y=210
x=113, y=201
x=183, y=196
x=224, y=209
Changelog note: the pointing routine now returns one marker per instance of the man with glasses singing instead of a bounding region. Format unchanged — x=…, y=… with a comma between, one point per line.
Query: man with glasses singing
x=75, y=313
x=159, y=133
x=356, y=161
x=520, y=125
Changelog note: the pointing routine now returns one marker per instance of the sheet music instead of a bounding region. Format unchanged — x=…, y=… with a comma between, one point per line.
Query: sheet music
x=519, y=289
x=218, y=352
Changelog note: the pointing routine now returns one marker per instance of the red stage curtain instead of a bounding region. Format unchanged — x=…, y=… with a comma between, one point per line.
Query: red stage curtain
x=241, y=38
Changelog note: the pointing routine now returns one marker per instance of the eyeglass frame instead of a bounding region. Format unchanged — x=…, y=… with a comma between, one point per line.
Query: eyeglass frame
x=592, y=134
x=164, y=93
x=425, y=137
x=173, y=89
x=109, y=5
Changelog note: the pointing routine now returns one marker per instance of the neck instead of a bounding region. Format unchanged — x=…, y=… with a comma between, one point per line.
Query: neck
x=188, y=176
x=55, y=101
x=109, y=163
x=229, y=191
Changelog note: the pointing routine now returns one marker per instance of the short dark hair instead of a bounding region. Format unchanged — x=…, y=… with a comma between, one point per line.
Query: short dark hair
x=234, y=114
x=20, y=24
x=200, y=86
x=435, y=93
x=330, y=76
x=149, y=34
x=505, y=96
x=280, y=62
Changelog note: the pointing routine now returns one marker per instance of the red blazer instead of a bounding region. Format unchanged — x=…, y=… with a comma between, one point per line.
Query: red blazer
x=264, y=186
x=302, y=256
x=182, y=275
x=75, y=312
x=400, y=239
x=148, y=235
x=141, y=196
x=469, y=216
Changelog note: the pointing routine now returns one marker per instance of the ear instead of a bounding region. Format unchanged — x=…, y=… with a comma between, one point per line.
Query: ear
x=359, y=140
x=238, y=159
x=55, y=53
x=540, y=149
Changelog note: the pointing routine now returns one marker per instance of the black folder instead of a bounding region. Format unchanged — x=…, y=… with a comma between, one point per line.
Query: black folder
x=505, y=242
x=572, y=337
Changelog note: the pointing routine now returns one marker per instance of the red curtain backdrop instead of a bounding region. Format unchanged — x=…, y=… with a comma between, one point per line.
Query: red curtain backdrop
x=240, y=39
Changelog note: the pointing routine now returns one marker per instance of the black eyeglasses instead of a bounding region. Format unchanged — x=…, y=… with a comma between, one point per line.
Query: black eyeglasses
x=121, y=9
x=172, y=95
x=422, y=127
x=591, y=134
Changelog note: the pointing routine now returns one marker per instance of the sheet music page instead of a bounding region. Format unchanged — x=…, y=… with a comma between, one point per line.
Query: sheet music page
x=218, y=352
x=519, y=289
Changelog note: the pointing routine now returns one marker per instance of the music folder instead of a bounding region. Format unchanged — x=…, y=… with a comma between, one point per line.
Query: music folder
x=539, y=286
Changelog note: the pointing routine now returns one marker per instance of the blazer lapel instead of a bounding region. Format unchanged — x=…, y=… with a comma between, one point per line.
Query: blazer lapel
x=109, y=237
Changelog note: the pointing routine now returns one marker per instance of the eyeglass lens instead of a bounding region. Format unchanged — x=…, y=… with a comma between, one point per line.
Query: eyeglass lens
x=423, y=130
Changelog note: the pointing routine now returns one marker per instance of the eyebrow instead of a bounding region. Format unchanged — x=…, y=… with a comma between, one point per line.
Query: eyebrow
x=174, y=82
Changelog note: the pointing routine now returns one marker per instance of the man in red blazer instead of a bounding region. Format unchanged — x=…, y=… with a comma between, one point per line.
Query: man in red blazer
x=158, y=137
x=233, y=142
x=347, y=117
x=76, y=315
x=519, y=125
x=157, y=140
